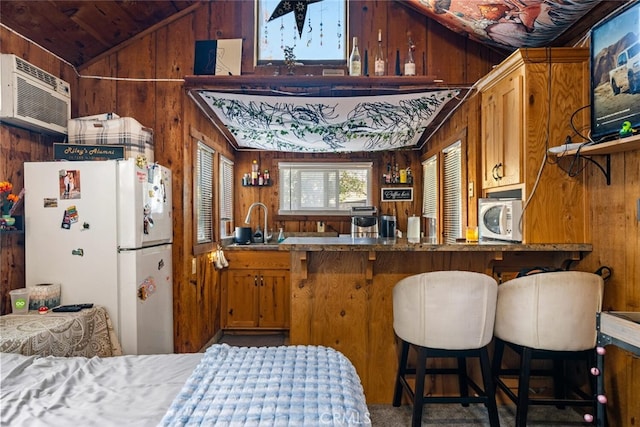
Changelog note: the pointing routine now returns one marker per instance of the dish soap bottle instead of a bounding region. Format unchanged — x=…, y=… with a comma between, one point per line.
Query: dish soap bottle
x=280, y=236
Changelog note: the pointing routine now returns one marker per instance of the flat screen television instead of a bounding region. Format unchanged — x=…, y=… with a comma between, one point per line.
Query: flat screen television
x=615, y=73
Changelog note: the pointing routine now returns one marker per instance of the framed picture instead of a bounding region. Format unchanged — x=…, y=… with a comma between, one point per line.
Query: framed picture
x=397, y=194
x=218, y=57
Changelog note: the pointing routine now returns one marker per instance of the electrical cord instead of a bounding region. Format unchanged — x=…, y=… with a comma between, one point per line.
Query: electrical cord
x=546, y=142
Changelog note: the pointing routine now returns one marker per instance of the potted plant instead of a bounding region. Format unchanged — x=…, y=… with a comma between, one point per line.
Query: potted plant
x=7, y=202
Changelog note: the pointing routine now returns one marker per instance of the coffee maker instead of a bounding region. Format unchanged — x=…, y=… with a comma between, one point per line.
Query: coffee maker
x=388, y=228
x=364, y=222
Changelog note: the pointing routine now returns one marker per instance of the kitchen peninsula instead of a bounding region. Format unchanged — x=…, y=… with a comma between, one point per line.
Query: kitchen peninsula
x=341, y=291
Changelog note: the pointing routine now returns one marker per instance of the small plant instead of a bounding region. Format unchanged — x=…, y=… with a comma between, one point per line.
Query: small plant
x=290, y=59
x=7, y=198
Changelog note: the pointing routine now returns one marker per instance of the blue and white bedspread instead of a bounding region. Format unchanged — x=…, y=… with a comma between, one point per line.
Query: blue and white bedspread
x=270, y=386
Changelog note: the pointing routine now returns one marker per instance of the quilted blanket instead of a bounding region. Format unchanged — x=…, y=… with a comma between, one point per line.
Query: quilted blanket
x=270, y=386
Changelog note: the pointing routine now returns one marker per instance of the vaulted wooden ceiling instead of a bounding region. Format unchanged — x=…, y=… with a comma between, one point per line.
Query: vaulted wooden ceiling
x=79, y=31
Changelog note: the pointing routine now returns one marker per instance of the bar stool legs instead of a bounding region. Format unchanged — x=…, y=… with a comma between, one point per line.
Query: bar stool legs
x=486, y=395
x=524, y=372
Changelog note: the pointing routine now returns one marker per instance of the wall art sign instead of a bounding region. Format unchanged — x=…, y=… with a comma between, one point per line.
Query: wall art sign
x=399, y=194
x=87, y=152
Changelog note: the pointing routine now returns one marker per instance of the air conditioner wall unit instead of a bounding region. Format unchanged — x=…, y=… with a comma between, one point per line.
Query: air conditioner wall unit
x=32, y=98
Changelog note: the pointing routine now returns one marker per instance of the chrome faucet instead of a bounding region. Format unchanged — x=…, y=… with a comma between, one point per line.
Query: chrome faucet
x=247, y=220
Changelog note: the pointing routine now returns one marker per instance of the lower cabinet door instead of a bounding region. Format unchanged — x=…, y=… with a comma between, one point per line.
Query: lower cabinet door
x=242, y=298
x=274, y=299
x=257, y=299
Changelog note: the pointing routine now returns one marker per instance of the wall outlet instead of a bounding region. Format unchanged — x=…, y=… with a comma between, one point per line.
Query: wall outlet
x=320, y=226
x=194, y=266
x=470, y=190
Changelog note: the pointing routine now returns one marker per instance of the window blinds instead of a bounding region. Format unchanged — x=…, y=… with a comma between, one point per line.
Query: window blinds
x=204, y=193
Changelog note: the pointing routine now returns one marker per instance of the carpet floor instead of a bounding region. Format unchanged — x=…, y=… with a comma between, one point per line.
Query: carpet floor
x=437, y=415
x=454, y=415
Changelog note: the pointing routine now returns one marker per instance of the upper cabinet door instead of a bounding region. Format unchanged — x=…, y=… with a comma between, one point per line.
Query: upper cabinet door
x=502, y=132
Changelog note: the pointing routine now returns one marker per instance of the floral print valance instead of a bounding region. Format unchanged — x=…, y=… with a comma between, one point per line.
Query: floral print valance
x=327, y=124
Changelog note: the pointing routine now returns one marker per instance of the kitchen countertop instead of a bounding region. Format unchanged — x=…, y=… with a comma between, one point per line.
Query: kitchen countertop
x=347, y=243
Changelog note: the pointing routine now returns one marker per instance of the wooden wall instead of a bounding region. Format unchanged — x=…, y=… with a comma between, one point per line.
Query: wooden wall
x=167, y=52
x=16, y=147
x=615, y=231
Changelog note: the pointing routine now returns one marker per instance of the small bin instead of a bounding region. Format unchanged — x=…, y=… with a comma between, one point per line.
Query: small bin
x=19, y=301
x=44, y=295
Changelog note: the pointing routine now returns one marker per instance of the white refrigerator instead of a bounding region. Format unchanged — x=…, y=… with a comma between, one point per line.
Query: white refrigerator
x=103, y=230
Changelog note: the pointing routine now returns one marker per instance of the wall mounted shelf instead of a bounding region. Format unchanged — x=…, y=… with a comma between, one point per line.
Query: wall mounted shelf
x=18, y=227
x=621, y=145
x=257, y=185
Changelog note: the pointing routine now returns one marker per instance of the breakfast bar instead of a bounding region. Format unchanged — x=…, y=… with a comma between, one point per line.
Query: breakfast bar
x=341, y=291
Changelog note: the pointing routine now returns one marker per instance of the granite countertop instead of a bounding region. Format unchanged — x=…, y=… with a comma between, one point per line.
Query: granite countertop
x=347, y=243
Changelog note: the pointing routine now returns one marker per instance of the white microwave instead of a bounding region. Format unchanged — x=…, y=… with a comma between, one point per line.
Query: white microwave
x=500, y=219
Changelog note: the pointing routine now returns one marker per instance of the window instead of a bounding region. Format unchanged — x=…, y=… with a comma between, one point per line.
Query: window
x=324, y=188
x=323, y=38
x=448, y=194
x=226, y=196
x=430, y=196
x=452, y=193
x=204, y=194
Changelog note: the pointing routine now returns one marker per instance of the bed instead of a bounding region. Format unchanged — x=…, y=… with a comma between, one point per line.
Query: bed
x=225, y=386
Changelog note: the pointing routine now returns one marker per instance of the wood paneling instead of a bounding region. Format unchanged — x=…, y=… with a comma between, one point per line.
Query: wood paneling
x=79, y=30
x=615, y=232
x=167, y=52
x=16, y=147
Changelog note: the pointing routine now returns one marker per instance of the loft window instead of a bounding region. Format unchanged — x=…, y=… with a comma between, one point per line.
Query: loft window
x=324, y=35
x=324, y=188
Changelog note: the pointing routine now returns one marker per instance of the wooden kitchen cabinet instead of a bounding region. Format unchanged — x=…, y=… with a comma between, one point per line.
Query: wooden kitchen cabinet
x=256, y=290
x=532, y=101
x=502, y=127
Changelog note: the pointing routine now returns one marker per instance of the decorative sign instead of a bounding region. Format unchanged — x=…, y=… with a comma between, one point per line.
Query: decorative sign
x=400, y=194
x=87, y=152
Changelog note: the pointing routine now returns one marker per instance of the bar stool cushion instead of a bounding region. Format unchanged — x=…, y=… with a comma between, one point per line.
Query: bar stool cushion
x=550, y=311
x=445, y=309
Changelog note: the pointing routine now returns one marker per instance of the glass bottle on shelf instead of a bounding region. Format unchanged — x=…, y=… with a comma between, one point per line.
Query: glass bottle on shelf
x=254, y=172
x=410, y=63
x=355, y=64
x=378, y=62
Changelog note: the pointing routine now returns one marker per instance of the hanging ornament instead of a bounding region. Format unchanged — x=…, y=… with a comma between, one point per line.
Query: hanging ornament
x=282, y=34
x=321, y=35
x=299, y=7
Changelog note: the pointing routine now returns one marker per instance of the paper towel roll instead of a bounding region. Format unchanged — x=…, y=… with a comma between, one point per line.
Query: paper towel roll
x=44, y=295
x=413, y=229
